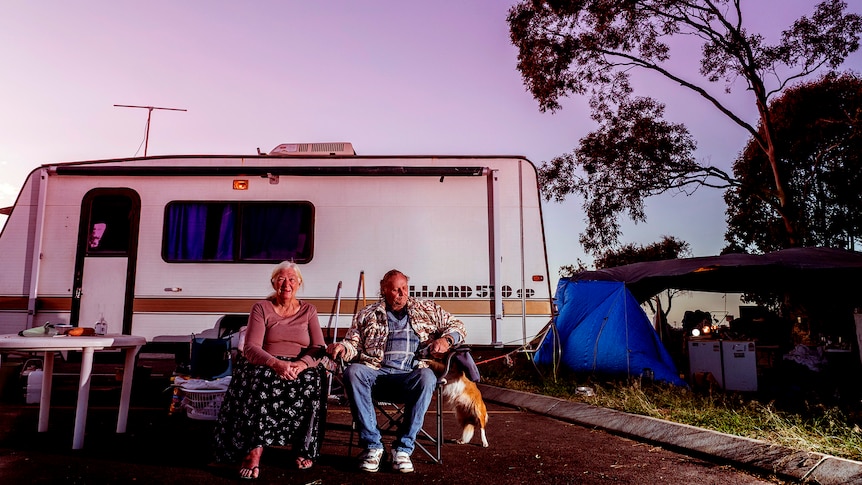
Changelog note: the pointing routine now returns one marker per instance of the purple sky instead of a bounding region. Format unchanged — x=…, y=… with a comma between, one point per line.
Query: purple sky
x=392, y=77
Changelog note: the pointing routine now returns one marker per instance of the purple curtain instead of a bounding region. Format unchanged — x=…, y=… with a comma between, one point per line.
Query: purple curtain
x=188, y=226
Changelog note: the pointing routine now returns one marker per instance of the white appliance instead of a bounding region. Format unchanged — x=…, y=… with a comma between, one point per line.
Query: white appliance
x=739, y=362
x=704, y=355
x=732, y=363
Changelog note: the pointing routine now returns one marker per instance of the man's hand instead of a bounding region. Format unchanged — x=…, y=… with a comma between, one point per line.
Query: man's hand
x=439, y=347
x=335, y=350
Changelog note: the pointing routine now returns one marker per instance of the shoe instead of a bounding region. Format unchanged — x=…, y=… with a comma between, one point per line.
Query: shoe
x=249, y=473
x=401, y=462
x=370, y=459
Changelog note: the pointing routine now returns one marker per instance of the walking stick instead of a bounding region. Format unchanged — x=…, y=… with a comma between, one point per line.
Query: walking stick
x=336, y=307
x=360, y=288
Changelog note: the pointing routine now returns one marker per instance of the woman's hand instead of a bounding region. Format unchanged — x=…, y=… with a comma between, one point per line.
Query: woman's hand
x=294, y=368
x=289, y=369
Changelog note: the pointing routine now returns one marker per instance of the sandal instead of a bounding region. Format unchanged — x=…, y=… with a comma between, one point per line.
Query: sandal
x=303, y=463
x=249, y=473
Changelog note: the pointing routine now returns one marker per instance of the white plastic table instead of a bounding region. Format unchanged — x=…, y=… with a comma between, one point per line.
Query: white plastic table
x=131, y=344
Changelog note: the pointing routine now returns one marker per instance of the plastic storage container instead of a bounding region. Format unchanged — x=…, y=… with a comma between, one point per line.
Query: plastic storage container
x=34, y=386
x=202, y=404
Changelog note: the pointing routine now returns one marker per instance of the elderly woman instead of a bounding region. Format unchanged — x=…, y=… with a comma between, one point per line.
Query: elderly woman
x=276, y=396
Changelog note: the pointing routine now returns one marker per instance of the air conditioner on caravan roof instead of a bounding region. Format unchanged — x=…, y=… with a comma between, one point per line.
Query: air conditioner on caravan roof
x=313, y=149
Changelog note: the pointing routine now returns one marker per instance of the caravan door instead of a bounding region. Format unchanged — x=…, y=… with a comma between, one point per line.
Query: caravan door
x=104, y=281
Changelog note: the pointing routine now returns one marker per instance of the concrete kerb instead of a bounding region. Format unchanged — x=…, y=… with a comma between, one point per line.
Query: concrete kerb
x=757, y=455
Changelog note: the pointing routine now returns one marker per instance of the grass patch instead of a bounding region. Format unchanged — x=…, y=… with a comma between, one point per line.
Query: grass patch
x=805, y=424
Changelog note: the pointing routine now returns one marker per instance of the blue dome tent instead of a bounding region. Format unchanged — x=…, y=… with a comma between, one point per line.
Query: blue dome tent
x=602, y=329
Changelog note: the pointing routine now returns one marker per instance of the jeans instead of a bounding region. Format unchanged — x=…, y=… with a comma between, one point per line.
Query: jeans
x=414, y=389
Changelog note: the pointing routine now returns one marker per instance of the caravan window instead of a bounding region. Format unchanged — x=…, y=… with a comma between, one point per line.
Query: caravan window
x=238, y=231
x=109, y=223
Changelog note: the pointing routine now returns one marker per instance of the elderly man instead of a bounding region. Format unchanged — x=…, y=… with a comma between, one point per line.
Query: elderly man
x=385, y=337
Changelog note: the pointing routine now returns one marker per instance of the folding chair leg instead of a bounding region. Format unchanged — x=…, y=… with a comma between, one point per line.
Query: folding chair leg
x=393, y=419
x=352, y=432
x=439, y=415
x=437, y=441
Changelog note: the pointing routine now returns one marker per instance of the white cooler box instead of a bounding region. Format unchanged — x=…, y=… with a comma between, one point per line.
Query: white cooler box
x=733, y=363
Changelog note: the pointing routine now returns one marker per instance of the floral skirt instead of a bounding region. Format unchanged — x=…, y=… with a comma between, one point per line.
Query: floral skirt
x=261, y=408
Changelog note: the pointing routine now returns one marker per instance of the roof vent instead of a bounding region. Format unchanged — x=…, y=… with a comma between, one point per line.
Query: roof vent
x=312, y=149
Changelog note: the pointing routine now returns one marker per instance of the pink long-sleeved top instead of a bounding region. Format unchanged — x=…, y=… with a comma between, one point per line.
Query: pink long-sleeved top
x=270, y=335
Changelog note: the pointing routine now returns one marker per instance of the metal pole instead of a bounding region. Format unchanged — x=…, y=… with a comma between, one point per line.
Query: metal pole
x=147, y=135
x=494, y=229
x=38, y=241
x=359, y=290
x=149, y=115
x=336, y=309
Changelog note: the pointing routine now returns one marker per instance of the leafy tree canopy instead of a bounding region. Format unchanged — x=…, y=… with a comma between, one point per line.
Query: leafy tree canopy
x=818, y=128
x=668, y=248
x=591, y=47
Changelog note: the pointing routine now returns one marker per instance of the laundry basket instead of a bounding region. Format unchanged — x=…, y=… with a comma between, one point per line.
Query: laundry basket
x=203, y=404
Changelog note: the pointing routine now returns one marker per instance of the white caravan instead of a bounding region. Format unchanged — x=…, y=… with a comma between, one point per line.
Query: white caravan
x=163, y=246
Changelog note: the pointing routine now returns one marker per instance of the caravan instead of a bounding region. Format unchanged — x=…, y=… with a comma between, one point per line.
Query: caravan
x=164, y=246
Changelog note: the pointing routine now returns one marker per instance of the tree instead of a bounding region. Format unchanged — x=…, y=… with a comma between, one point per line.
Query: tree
x=593, y=46
x=650, y=155
x=668, y=248
x=817, y=125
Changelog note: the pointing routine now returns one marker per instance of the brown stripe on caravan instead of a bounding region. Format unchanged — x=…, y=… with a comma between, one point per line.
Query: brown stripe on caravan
x=19, y=303
x=243, y=305
x=458, y=307
x=324, y=306
x=13, y=303
x=193, y=305
x=534, y=307
x=58, y=304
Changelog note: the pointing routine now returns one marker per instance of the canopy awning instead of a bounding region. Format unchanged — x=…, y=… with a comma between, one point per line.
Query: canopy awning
x=824, y=269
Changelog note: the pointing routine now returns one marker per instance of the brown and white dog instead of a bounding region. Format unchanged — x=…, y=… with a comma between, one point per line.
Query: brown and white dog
x=463, y=396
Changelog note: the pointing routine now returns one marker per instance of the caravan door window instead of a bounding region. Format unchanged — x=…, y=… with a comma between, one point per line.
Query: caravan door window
x=238, y=232
x=109, y=222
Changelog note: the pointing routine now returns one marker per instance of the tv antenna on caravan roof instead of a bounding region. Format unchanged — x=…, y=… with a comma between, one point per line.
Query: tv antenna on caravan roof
x=149, y=114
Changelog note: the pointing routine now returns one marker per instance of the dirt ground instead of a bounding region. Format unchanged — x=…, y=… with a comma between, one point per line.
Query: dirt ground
x=165, y=449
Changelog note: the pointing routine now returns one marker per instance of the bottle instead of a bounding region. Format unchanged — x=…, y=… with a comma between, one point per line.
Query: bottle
x=101, y=325
x=34, y=387
x=176, y=402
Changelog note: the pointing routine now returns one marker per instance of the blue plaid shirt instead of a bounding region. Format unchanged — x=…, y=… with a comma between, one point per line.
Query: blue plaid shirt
x=401, y=345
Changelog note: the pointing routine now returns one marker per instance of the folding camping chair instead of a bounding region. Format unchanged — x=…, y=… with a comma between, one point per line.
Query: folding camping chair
x=390, y=410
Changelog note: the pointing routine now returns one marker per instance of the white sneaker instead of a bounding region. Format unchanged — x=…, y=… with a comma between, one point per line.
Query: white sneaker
x=401, y=462
x=370, y=459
